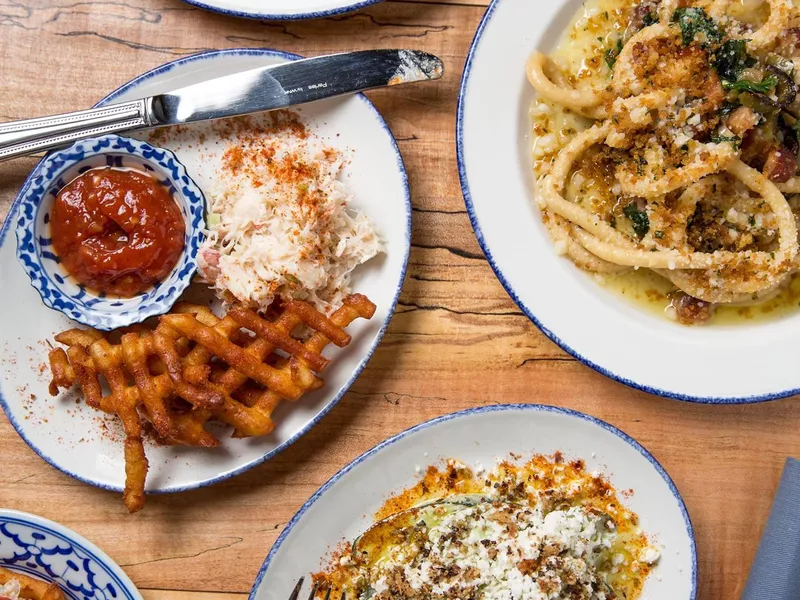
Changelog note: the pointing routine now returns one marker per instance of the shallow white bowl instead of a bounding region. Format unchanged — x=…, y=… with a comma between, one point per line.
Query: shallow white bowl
x=715, y=364
x=48, y=551
x=343, y=507
x=68, y=435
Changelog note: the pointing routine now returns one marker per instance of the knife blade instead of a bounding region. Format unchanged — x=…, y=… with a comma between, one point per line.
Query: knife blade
x=290, y=84
x=247, y=92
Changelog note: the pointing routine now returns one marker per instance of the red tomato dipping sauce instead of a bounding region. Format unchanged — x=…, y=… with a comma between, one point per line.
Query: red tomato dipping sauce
x=117, y=231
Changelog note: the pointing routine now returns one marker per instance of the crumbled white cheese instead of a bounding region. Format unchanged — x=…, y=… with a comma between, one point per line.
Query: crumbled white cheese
x=494, y=542
x=640, y=115
x=544, y=145
x=681, y=139
x=616, y=139
x=649, y=555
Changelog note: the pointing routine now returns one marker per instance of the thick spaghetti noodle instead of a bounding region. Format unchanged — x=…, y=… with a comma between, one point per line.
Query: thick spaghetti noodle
x=676, y=145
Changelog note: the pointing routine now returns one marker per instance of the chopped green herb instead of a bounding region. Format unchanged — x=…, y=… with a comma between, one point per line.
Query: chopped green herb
x=694, y=21
x=659, y=235
x=612, y=54
x=612, y=220
x=639, y=218
x=743, y=85
x=293, y=279
x=732, y=59
x=752, y=221
x=650, y=18
x=728, y=108
x=721, y=139
x=640, y=165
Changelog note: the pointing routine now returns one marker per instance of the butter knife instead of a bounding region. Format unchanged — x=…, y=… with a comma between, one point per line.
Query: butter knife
x=247, y=92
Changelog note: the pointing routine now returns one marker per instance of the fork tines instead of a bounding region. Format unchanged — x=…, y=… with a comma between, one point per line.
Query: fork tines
x=314, y=589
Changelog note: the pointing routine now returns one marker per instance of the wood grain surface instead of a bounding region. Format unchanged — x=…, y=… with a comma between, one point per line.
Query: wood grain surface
x=456, y=341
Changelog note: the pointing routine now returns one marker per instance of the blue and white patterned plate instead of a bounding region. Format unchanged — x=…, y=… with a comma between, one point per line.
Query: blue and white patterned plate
x=61, y=292
x=68, y=435
x=46, y=550
x=343, y=507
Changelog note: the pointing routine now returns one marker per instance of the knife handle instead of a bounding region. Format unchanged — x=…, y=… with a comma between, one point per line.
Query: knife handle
x=18, y=138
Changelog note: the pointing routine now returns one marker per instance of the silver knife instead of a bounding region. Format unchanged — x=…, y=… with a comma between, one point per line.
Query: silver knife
x=256, y=90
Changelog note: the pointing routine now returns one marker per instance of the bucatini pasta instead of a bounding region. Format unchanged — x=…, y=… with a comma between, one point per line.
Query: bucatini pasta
x=666, y=139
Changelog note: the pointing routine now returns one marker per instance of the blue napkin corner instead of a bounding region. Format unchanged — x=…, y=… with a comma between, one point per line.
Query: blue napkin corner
x=775, y=574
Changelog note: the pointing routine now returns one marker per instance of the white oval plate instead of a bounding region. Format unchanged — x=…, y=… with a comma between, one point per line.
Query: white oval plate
x=282, y=10
x=67, y=435
x=343, y=507
x=716, y=364
x=35, y=546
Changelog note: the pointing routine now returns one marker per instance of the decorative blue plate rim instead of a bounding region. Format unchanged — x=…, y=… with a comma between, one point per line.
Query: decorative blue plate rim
x=465, y=190
x=475, y=411
x=321, y=14
x=74, y=539
x=163, y=296
x=165, y=68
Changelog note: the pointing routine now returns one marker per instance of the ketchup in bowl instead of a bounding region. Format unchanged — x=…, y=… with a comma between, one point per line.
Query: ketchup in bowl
x=117, y=231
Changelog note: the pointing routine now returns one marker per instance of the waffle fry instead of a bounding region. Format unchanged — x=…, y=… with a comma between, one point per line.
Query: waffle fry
x=194, y=367
x=30, y=587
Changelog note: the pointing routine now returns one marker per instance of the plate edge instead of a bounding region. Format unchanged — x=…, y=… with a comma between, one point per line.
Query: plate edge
x=480, y=410
x=473, y=219
x=164, y=68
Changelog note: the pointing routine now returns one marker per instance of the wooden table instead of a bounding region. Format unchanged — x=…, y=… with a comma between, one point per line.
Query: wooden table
x=457, y=339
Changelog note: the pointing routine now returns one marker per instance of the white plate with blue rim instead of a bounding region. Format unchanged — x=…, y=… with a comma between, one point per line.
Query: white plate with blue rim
x=343, y=508
x=87, y=445
x=595, y=325
x=37, y=547
x=282, y=10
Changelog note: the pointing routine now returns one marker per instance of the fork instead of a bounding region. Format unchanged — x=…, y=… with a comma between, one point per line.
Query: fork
x=314, y=589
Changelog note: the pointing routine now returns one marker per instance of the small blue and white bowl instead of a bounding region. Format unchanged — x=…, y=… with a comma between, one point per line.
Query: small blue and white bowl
x=48, y=551
x=57, y=288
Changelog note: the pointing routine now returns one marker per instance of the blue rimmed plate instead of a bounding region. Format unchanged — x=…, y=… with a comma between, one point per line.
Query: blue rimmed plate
x=343, y=507
x=69, y=436
x=282, y=10
x=595, y=325
x=48, y=551
x=57, y=289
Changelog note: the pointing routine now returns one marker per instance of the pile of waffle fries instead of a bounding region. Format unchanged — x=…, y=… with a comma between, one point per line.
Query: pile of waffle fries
x=193, y=367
